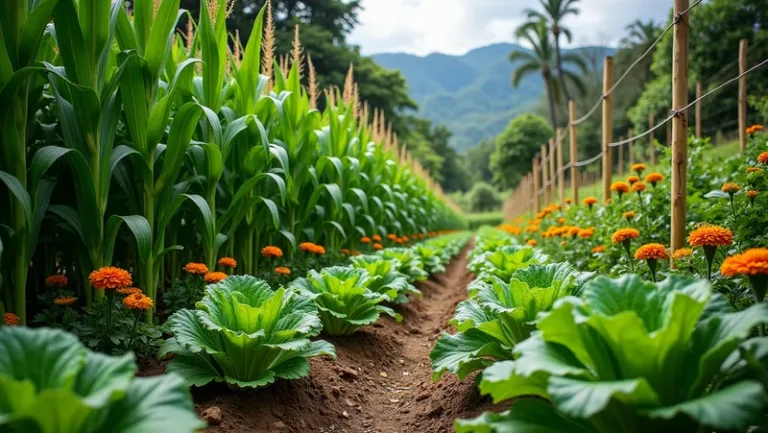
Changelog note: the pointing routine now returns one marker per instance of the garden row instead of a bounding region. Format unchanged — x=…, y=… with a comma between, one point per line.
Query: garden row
x=580, y=352
x=127, y=143
x=243, y=332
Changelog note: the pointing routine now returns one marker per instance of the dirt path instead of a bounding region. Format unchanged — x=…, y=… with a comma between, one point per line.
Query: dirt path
x=381, y=382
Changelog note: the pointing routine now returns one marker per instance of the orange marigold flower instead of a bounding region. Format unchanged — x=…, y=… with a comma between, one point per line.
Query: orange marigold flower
x=730, y=188
x=377, y=246
x=620, y=187
x=682, y=253
x=307, y=246
x=586, y=233
x=196, y=268
x=228, y=262
x=356, y=253
x=126, y=291
x=138, y=301
x=622, y=235
x=282, y=270
x=365, y=240
x=110, y=278
x=654, y=178
x=763, y=158
x=345, y=251
x=214, y=277
x=561, y=220
x=531, y=242
x=752, y=194
x=65, y=300
x=598, y=249
x=639, y=168
x=754, y=169
x=568, y=200
x=532, y=229
x=271, y=251
x=652, y=252
x=632, y=179
x=638, y=187
x=753, y=261
x=377, y=238
x=11, y=319
x=393, y=236
x=754, y=129
x=57, y=280
x=319, y=250
x=710, y=235
x=573, y=231
x=589, y=201
x=629, y=215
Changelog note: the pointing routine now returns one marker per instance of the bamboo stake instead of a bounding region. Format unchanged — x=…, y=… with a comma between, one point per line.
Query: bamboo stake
x=552, y=173
x=574, y=153
x=560, y=173
x=536, y=200
x=652, y=149
x=544, y=177
x=743, y=95
x=698, y=109
x=631, y=148
x=679, y=126
x=607, y=126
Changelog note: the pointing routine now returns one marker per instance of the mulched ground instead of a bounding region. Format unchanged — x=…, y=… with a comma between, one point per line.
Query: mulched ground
x=381, y=382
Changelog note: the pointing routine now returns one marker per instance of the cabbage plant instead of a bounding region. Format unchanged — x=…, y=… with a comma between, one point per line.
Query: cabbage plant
x=343, y=298
x=246, y=334
x=431, y=258
x=390, y=282
x=633, y=356
x=51, y=383
x=505, y=261
x=499, y=316
x=410, y=263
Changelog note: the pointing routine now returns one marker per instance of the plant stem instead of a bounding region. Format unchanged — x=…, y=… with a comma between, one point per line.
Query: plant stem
x=137, y=316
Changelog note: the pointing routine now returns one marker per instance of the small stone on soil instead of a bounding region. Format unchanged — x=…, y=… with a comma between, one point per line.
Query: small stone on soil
x=212, y=415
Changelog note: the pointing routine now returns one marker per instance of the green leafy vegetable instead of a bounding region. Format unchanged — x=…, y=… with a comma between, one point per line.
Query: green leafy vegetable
x=390, y=281
x=410, y=263
x=245, y=334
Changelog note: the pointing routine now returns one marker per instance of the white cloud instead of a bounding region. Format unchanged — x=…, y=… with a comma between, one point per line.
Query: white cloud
x=457, y=26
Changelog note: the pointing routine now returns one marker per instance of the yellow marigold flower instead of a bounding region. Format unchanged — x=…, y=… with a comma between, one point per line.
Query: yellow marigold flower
x=345, y=251
x=561, y=220
x=531, y=242
x=563, y=243
x=622, y=235
x=754, y=169
x=271, y=251
x=195, y=268
x=510, y=229
x=652, y=252
x=282, y=270
x=377, y=238
x=632, y=179
x=65, y=300
x=586, y=233
x=110, y=278
x=763, y=158
x=377, y=246
x=629, y=215
x=682, y=253
x=620, y=187
x=589, y=201
x=214, y=277
x=639, y=168
x=730, y=188
x=573, y=231
x=654, y=178
x=711, y=236
x=57, y=280
x=138, y=301
x=753, y=261
x=307, y=246
x=228, y=262
x=11, y=319
x=532, y=229
x=598, y=249
x=126, y=291
x=638, y=187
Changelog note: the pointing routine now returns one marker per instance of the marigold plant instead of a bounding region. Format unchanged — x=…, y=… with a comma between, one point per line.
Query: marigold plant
x=194, y=268
x=730, y=188
x=272, y=252
x=753, y=263
x=228, y=262
x=624, y=235
x=710, y=237
x=639, y=168
x=365, y=240
x=632, y=179
x=58, y=281
x=654, y=178
x=586, y=233
x=393, y=236
x=138, y=301
x=620, y=188
x=629, y=215
x=763, y=158
x=65, y=300
x=652, y=253
x=531, y=242
x=590, y=201
x=282, y=270
x=598, y=249
x=682, y=253
x=377, y=246
x=214, y=277
x=11, y=319
x=377, y=238
x=345, y=251
x=638, y=187
x=752, y=195
x=126, y=291
x=110, y=278
x=754, y=170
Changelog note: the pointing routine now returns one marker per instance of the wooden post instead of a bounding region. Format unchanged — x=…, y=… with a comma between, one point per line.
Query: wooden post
x=620, y=170
x=631, y=148
x=698, y=109
x=536, y=200
x=552, y=173
x=574, y=153
x=607, y=127
x=560, y=174
x=679, y=126
x=544, y=176
x=652, y=149
x=743, y=95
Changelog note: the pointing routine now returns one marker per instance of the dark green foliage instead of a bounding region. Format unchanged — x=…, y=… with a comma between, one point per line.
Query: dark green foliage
x=484, y=197
x=516, y=146
x=477, y=161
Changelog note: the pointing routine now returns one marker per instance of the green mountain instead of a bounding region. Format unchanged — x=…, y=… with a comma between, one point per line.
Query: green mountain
x=471, y=94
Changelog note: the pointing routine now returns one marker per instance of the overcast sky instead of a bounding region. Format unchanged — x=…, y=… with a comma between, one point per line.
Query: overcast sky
x=457, y=26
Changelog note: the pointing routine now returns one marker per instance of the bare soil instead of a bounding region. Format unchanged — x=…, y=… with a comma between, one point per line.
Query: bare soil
x=381, y=382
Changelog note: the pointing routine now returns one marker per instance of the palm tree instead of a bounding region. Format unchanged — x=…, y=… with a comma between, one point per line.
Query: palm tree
x=640, y=38
x=554, y=13
x=542, y=58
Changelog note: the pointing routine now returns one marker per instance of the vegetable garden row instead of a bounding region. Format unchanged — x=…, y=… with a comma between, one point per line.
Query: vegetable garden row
x=586, y=322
